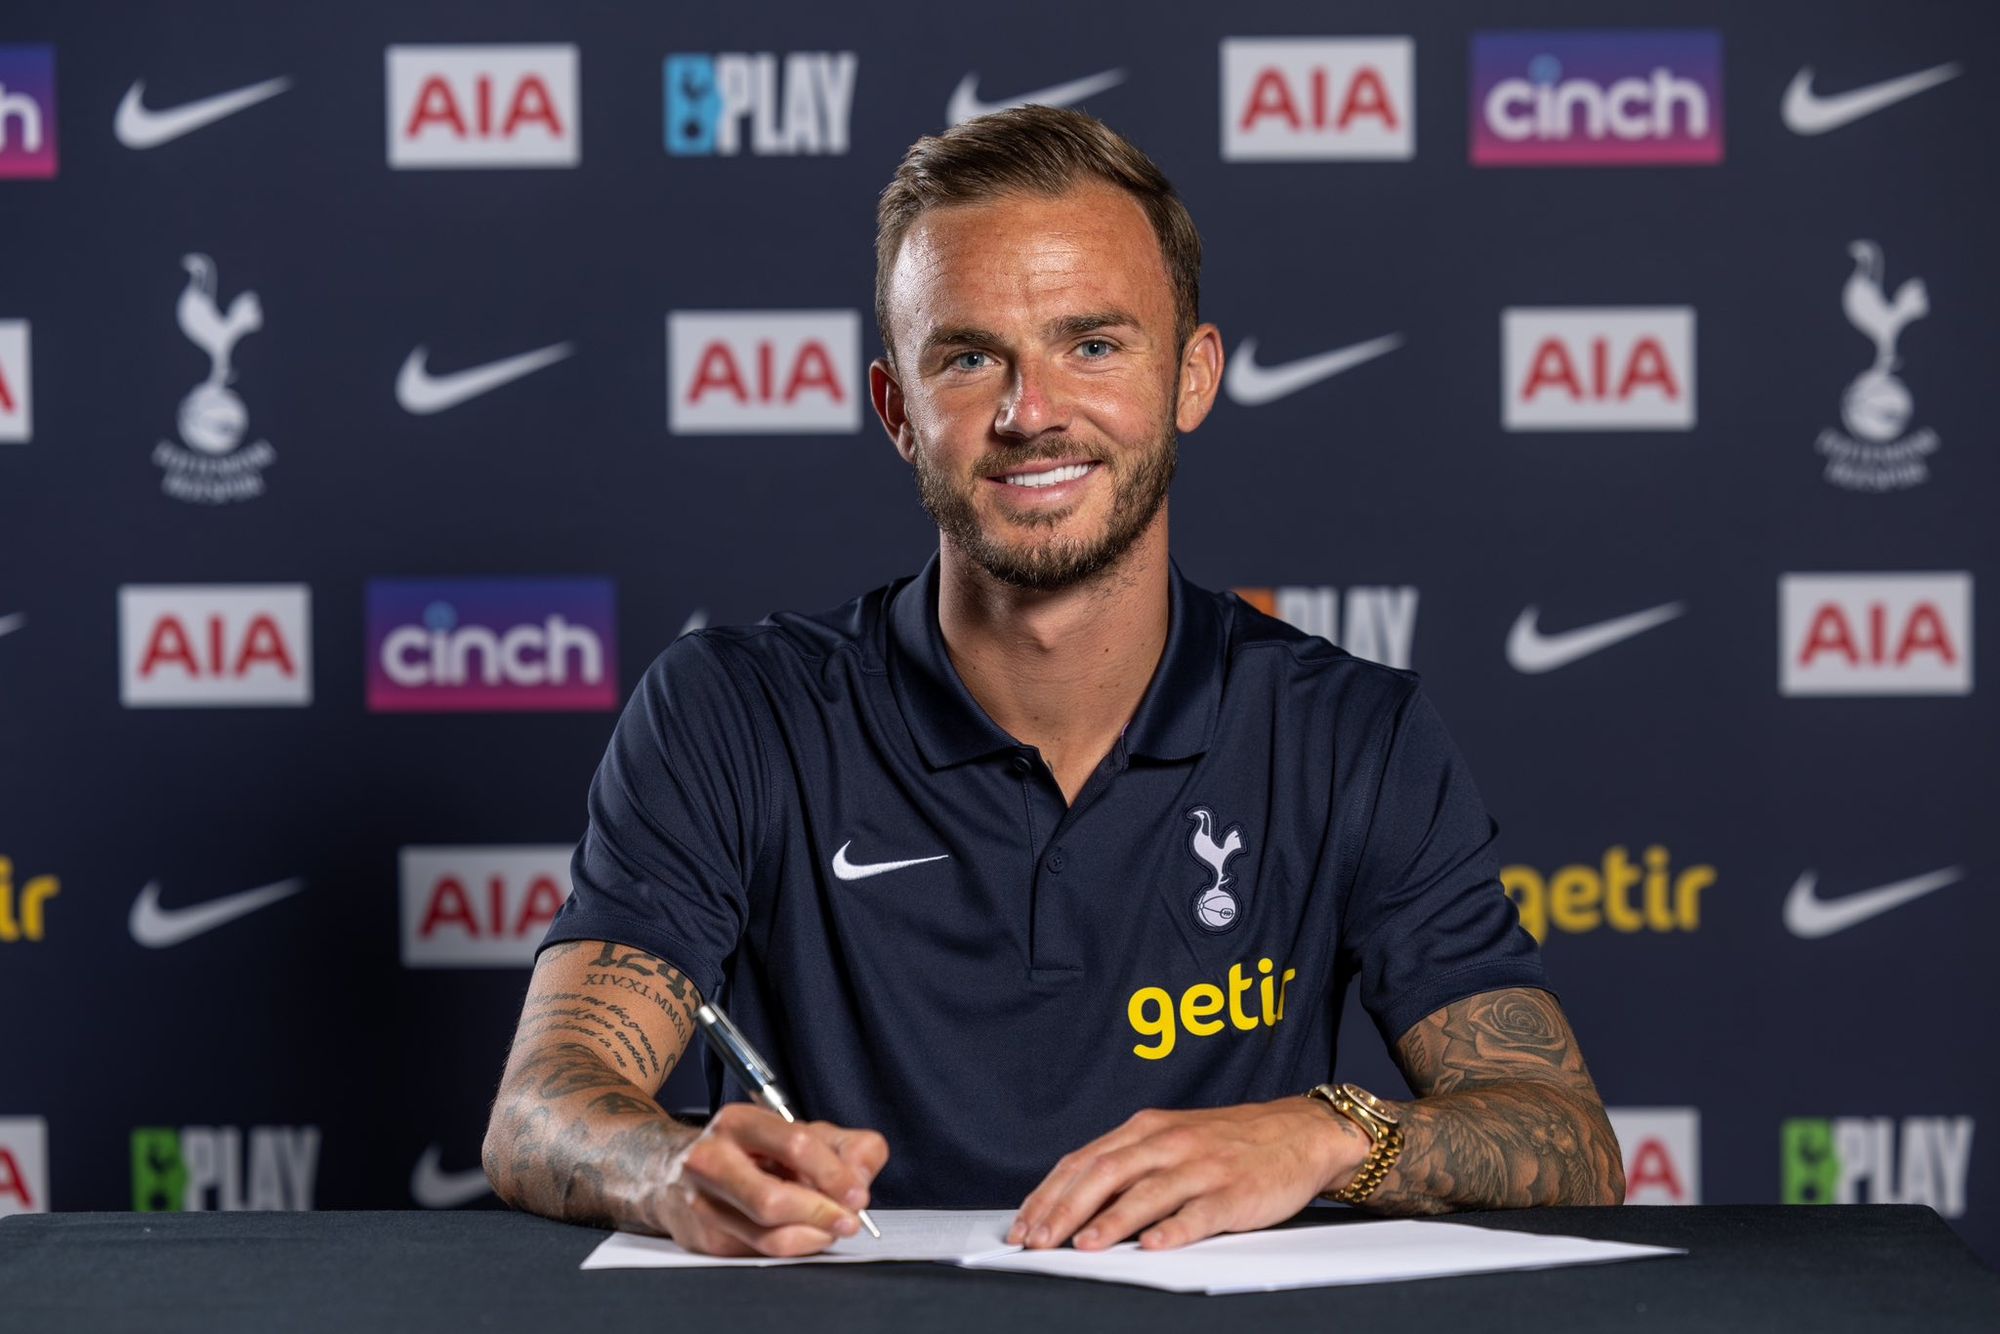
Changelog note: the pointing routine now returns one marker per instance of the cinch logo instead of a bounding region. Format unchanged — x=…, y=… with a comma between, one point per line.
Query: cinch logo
x=17, y=423
x=1875, y=634
x=1662, y=1151
x=21, y=909
x=1293, y=98
x=1624, y=895
x=1380, y=626
x=1918, y=1160
x=480, y=907
x=483, y=106
x=1573, y=99
x=1597, y=368
x=774, y=372
x=1152, y=1011
x=798, y=103
x=439, y=645
x=27, y=112
x=206, y=1167
x=214, y=645
x=24, y=1165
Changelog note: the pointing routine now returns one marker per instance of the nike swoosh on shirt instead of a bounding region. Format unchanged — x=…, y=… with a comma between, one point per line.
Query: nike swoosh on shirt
x=434, y=1188
x=156, y=927
x=1253, y=385
x=1531, y=651
x=1805, y=112
x=12, y=622
x=1809, y=917
x=421, y=393
x=965, y=103
x=847, y=870
x=137, y=127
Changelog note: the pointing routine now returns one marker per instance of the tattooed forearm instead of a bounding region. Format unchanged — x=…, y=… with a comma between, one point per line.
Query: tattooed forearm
x=1506, y=1114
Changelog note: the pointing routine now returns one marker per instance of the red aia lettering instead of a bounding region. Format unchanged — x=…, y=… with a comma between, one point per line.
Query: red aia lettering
x=262, y=642
x=6, y=394
x=811, y=368
x=1271, y=96
x=437, y=104
x=1653, y=1166
x=1923, y=632
x=451, y=903
x=13, y=1181
x=1646, y=365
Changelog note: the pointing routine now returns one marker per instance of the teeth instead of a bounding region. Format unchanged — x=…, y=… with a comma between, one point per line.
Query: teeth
x=1049, y=478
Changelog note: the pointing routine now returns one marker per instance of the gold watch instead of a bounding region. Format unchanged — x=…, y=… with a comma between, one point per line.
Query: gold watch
x=1376, y=1117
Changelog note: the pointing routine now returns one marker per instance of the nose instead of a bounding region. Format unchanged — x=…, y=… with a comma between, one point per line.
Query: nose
x=1033, y=404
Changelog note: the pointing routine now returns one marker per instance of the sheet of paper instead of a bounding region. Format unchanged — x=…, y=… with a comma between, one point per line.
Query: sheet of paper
x=1311, y=1257
x=949, y=1235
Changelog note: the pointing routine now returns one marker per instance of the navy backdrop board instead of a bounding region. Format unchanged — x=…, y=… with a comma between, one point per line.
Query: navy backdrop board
x=381, y=390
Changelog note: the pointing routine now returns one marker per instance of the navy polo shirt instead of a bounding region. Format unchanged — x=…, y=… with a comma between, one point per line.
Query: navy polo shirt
x=815, y=822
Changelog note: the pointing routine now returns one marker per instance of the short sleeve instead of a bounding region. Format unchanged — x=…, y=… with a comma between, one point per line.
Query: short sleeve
x=1426, y=921
x=676, y=812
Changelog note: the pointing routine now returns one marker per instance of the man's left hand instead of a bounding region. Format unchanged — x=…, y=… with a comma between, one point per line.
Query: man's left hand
x=1182, y=1176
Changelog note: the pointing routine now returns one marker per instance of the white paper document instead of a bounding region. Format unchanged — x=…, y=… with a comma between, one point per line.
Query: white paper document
x=952, y=1236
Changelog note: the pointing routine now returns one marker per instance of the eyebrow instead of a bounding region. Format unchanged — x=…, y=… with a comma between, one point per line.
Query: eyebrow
x=1067, y=326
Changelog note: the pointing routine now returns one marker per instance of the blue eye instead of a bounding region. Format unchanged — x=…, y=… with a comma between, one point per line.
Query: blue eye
x=959, y=361
x=1103, y=345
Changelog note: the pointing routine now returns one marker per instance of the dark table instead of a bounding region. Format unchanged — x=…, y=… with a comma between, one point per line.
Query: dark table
x=1860, y=1267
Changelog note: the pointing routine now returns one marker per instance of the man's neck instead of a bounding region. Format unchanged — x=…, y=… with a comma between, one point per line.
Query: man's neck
x=1061, y=671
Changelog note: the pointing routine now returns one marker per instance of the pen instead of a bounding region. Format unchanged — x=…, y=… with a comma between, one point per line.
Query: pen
x=754, y=1075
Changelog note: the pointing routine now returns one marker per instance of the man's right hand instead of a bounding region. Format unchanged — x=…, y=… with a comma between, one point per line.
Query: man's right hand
x=754, y=1184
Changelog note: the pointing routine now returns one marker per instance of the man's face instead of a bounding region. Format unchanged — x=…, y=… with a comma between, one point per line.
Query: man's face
x=1036, y=372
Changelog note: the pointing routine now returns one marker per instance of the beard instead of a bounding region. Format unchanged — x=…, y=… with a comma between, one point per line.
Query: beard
x=1139, y=488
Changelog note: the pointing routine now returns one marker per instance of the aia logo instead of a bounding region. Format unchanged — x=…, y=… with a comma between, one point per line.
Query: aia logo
x=1662, y=1150
x=437, y=645
x=27, y=112
x=776, y=372
x=215, y=645
x=1597, y=368
x=1875, y=634
x=24, y=1165
x=483, y=106
x=1572, y=99
x=1292, y=98
x=796, y=104
x=480, y=907
x=17, y=424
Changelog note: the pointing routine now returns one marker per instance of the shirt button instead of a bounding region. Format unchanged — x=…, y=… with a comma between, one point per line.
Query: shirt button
x=1022, y=765
x=1057, y=861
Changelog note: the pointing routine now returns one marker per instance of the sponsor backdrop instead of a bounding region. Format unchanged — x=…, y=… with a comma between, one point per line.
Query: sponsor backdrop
x=379, y=394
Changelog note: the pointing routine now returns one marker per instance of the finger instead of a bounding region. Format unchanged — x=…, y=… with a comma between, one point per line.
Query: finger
x=1034, y=1210
x=803, y=1150
x=1096, y=1182
x=1202, y=1216
x=863, y=1150
x=725, y=1171
x=1147, y=1200
x=745, y=1237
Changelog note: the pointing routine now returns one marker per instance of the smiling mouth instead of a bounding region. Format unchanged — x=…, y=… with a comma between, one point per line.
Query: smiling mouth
x=1052, y=475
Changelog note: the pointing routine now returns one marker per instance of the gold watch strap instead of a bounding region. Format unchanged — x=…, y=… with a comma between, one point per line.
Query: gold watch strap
x=1388, y=1144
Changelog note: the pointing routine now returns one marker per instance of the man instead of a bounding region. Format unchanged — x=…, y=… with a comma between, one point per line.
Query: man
x=1040, y=876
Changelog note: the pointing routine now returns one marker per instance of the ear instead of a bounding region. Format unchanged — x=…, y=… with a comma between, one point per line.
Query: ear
x=886, y=392
x=1201, y=377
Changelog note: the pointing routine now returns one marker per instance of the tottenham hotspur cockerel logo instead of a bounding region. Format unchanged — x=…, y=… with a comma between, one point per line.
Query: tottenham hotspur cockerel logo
x=1215, y=908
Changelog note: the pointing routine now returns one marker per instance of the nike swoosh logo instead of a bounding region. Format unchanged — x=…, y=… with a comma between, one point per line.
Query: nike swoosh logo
x=965, y=103
x=1531, y=651
x=156, y=927
x=422, y=393
x=9, y=624
x=848, y=870
x=136, y=127
x=1810, y=917
x=434, y=1188
x=1807, y=113
x=1253, y=385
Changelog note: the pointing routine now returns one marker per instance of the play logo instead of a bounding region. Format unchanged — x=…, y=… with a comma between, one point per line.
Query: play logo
x=1875, y=634
x=483, y=106
x=227, y=1168
x=484, y=645
x=765, y=372
x=797, y=104
x=1378, y=623
x=1602, y=99
x=1662, y=1152
x=27, y=112
x=1877, y=1160
x=1324, y=98
x=480, y=907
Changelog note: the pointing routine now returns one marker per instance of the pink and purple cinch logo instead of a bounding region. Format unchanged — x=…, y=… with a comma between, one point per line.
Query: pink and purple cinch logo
x=488, y=645
x=27, y=111
x=1574, y=99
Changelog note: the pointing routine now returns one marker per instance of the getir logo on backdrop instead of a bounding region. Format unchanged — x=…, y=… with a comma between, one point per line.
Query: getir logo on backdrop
x=1627, y=895
x=1381, y=623
x=1875, y=634
x=765, y=372
x=437, y=645
x=480, y=907
x=1662, y=1151
x=17, y=422
x=1292, y=98
x=1597, y=368
x=212, y=1167
x=1878, y=1160
x=24, y=1165
x=216, y=645
x=27, y=112
x=797, y=103
x=1577, y=99
x=483, y=106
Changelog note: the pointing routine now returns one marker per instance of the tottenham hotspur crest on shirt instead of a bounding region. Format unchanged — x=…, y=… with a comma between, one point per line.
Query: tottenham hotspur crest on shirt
x=1215, y=908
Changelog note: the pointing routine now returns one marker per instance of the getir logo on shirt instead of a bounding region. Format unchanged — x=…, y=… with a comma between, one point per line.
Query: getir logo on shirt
x=1571, y=99
x=438, y=645
x=1597, y=368
x=17, y=422
x=27, y=112
x=1662, y=1151
x=483, y=106
x=1293, y=98
x=1875, y=634
x=765, y=372
x=24, y=1165
x=215, y=645
x=480, y=907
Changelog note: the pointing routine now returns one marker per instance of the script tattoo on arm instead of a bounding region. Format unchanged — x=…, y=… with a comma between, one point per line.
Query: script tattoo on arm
x=1506, y=1114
